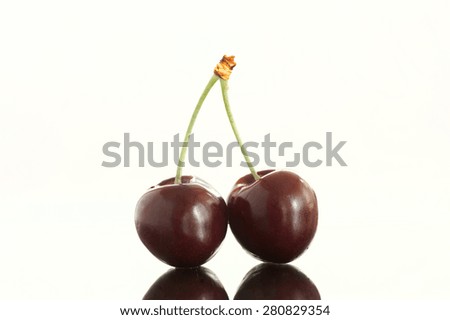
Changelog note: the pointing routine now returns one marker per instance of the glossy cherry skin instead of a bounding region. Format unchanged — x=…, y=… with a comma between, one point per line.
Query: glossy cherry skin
x=187, y=284
x=183, y=224
x=269, y=281
x=274, y=218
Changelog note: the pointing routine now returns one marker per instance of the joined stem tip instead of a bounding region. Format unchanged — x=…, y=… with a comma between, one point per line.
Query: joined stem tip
x=224, y=67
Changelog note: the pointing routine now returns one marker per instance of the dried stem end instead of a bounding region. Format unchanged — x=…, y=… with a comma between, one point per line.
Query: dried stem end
x=224, y=67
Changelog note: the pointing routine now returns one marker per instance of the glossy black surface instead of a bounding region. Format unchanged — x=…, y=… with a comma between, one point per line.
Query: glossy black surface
x=187, y=284
x=269, y=281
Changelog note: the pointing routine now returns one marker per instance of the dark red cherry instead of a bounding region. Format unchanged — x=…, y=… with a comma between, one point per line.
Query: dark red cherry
x=269, y=281
x=187, y=284
x=183, y=224
x=274, y=218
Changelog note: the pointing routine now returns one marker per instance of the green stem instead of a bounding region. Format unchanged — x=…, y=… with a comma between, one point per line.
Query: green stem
x=180, y=166
x=224, y=86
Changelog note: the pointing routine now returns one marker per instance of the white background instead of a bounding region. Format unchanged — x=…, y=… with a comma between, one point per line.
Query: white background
x=77, y=74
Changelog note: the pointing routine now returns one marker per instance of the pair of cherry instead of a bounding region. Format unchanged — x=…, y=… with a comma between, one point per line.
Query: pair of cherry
x=183, y=220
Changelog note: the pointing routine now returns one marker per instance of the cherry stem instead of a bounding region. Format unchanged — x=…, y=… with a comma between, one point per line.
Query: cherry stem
x=224, y=86
x=180, y=166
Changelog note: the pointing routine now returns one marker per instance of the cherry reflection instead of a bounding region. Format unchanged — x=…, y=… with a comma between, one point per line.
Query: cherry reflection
x=187, y=284
x=269, y=281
